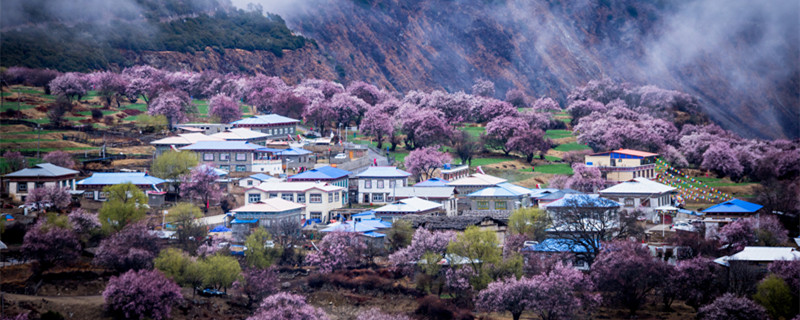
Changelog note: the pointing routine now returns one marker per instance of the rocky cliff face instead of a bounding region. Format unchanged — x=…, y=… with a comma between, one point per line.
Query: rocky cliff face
x=741, y=59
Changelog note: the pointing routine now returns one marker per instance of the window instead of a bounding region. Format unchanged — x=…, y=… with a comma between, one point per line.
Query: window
x=483, y=205
x=330, y=197
x=316, y=198
x=337, y=197
x=250, y=182
x=22, y=186
x=241, y=157
x=102, y=195
x=224, y=157
x=367, y=184
x=208, y=157
x=392, y=183
x=241, y=168
x=316, y=215
x=301, y=198
x=629, y=202
x=500, y=205
x=225, y=167
x=253, y=197
x=287, y=197
x=380, y=184
x=377, y=197
x=273, y=195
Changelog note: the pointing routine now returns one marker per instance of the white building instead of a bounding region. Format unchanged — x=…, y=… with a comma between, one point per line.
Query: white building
x=443, y=195
x=409, y=206
x=19, y=183
x=640, y=194
x=318, y=198
x=376, y=183
x=256, y=179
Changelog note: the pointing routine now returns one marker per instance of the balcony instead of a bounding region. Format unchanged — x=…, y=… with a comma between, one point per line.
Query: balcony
x=626, y=169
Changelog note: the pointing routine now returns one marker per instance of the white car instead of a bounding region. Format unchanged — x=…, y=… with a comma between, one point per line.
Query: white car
x=530, y=243
x=340, y=156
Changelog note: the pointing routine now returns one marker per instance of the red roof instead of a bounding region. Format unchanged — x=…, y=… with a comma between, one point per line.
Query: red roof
x=629, y=152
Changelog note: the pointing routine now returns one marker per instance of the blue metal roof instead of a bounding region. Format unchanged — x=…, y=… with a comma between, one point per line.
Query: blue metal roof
x=501, y=190
x=265, y=149
x=110, y=178
x=293, y=152
x=261, y=176
x=238, y=221
x=557, y=245
x=321, y=173
x=734, y=206
x=583, y=200
x=360, y=227
x=433, y=182
x=373, y=234
x=220, y=229
x=222, y=145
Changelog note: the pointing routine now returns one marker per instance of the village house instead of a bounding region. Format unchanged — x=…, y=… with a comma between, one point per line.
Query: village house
x=179, y=141
x=238, y=156
x=567, y=248
x=542, y=197
x=444, y=195
x=366, y=225
x=449, y=172
x=152, y=186
x=266, y=213
x=582, y=214
x=376, y=183
x=295, y=159
x=242, y=134
x=623, y=164
x=318, y=199
x=327, y=174
x=460, y=223
x=641, y=194
x=19, y=183
x=475, y=182
x=503, y=196
x=205, y=128
x=733, y=209
x=277, y=127
x=404, y=207
x=256, y=179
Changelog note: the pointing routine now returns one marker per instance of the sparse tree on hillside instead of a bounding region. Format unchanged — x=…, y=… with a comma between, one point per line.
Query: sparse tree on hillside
x=59, y=158
x=189, y=230
x=224, y=108
x=424, y=161
x=70, y=85
x=500, y=130
x=14, y=161
x=109, y=85
x=626, y=273
x=528, y=142
x=320, y=114
x=465, y=146
x=517, y=98
x=201, y=184
x=348, y=109
x=378, y=124
x=172, y=104
x=423, y=127
x=84, y=224
x=131, y=248
x=258, y=284
x=483, y=88
x=144, y=81
x=142, y=294
x=50, y=244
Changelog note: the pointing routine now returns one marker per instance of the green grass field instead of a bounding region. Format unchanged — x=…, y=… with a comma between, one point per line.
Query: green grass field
x=138, y=106
x=556, y=168
x=24, y=140
x=558, y=134
x=474, y=131
x=89, y=113
x=552, y=158
x=572, y=146
x=202, y=107
x=8, y=105
x=487, y=161
x=717, y=182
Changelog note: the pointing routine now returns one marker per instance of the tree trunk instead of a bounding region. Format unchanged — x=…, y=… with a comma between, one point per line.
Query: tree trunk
x=516, y=315
x=529, y=157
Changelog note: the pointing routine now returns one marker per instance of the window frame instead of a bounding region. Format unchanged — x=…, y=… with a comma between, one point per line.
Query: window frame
x=208, y=156
x=482, y=204
x=313, y=196
x=224, y=157
x=377, y=197
x=503, y=206
x=251, y=196
x=240, y=156
x=367, y=183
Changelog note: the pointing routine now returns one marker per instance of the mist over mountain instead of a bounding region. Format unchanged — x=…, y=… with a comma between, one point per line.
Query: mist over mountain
x=740, y=58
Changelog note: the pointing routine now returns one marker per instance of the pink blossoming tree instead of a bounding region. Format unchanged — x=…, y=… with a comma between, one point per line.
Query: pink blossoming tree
x=142, y=294
x=172, y=104
x=338, y=250
x=50, y=244
x=201, y=183
x=59, y=158
x=731, y=307
x=131, y=248
x=224, y=108
x=423, y=162
x=48, y=197
x=287, y=306
x=627, y=273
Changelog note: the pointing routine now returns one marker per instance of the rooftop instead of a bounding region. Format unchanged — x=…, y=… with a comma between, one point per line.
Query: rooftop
x=239, y=134
x=365, y=225
x=185, y=138
x=477, y=179
x=269, y=205
x=449, y=223
x=734, y=206
x=422, y=192
x=42, y=170
x=269, y=186
x=638, y=186
x=263, y=177
x=222, y=146
x=504, y=189
x=109, y=178
x=383, y=172
x=433, y=182
x=557, y=245
x=583, y=200
x=264, y=119
x=410, y=205
x=292, y=152
x=761, y=254
x=321, y=173
x=630, y=152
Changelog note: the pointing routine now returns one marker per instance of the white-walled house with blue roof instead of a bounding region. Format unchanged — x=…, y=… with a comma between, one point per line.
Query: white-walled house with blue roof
x=501, y=197
x=264, y=213
x=93, y=186
x=376, y=183
x=327, y=174
x=226, y=155
x=734, y=208
x=318, y=199
x=277, y=127
x=256, y=179
x=641, y=194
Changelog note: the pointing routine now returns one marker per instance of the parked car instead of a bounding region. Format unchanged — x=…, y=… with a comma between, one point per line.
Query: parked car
x=340, y=156
x=530, y=243
x=210, y=292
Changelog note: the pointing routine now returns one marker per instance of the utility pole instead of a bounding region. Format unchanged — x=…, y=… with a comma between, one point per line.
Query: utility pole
x=38, y=139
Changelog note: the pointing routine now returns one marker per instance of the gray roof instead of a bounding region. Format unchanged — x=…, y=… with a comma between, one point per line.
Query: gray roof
x=111, y=178
x=42, y=170
x=222, y=146
x=383, y=172
x=264, y=119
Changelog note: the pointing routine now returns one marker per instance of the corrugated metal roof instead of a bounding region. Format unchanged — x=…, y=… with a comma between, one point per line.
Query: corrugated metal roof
x=185, y=138
x=239, y=134
x=501, y=190
x=111, y=178
x=263, y=177
x=630, y=152
x=383, y=172
x=424, y=192
x=734, y=206
x=557, y=245
x=638, y=186
x=222, y=145
x=583, y=200
x=264, y=119
x=477, y=179
x=42, y=170
x=410, y=205
x=365, y=225
x=269, y=205
x=321, y=173
x=765, y=254
x=293, y=152
x=433, y=182
x=296, y=186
